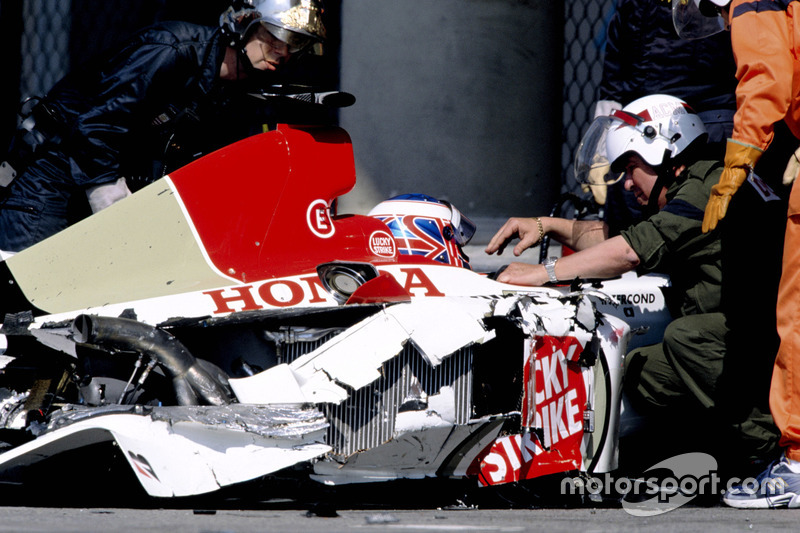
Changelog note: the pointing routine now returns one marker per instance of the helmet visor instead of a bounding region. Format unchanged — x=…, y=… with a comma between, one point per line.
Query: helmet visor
x=297, y=42
x=696, y=19
x=592, y=166
x=463, y=228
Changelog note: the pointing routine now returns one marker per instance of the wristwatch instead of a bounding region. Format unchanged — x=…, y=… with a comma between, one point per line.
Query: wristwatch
x=550, y=267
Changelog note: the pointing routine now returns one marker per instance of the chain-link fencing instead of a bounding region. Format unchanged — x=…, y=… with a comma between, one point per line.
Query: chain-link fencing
x=585, y=24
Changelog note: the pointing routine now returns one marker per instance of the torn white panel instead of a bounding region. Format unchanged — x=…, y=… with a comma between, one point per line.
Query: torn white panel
x=319, y=388
x=355, y=356
x=190, y=459
x=556, y=318
x=438, y=327
x=544, y=315
x=274, y=385
x=506, y=305
x=279, y=385
x=176, y=458
x=440, y=412
x=585, y=314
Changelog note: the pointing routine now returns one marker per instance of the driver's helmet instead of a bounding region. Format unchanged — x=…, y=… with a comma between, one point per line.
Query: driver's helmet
x=424, y=226
x=298, y=23
x=695, y=19
x=656, y=127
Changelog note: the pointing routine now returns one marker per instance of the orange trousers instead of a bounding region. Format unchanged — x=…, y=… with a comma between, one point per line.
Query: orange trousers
x=784, y=397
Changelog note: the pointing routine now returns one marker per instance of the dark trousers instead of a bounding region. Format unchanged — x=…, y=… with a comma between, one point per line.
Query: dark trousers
x=41, y=201
x=680, y=385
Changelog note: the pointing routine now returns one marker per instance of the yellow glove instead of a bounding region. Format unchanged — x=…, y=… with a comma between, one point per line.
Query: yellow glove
x=792, y=168
x=740, y=158
x=597, y=183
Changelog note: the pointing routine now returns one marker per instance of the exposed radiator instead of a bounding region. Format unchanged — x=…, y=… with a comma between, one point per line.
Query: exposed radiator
x=367, y=418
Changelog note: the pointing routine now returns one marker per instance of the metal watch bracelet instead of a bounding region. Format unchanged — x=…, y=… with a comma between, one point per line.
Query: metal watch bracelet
x=550, y=267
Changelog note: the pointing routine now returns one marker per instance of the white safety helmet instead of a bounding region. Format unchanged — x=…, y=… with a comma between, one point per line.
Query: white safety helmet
x=298, y=23
x=656, y=127
x=695, y=19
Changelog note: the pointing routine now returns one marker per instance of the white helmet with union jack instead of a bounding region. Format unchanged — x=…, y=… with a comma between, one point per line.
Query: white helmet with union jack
x=427, y=227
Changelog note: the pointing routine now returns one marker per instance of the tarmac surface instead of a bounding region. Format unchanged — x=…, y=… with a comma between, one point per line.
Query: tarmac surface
x=85, y=520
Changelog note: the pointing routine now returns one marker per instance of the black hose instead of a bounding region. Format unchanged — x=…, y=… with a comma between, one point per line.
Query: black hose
x=193, y=384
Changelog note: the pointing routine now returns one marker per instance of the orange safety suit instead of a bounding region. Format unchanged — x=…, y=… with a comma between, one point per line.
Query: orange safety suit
x=765, y=35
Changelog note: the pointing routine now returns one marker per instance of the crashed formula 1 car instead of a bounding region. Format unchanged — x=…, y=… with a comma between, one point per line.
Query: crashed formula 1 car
x=220, y=334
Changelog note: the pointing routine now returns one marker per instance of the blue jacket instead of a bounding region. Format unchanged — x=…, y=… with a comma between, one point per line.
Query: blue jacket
x=644, y=56
x=118, y=111
x=114, y=117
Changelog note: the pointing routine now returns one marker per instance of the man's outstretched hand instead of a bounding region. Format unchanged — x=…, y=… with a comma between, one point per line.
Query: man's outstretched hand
x=528, y=230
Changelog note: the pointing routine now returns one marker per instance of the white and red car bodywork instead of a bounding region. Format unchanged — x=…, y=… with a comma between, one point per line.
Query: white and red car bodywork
x=236, y=240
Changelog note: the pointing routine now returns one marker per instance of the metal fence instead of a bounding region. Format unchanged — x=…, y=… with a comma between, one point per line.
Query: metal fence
x=57, y=34
x=585, y=24
x=44, y=45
